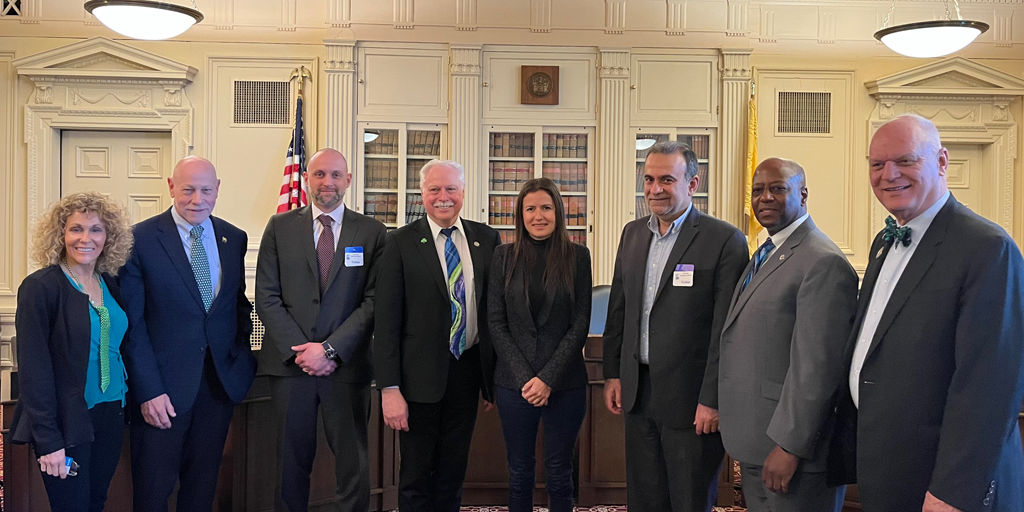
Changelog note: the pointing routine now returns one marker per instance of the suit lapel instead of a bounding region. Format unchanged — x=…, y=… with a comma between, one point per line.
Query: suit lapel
x=917, y=267
x=687, y=232
x=782, y=254
x=348, y=237
x=228, y=267
x=171, y=241
x=428, y=252
x=476, y=254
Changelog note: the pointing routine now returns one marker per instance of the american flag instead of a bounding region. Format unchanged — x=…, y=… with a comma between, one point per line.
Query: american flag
x=293, y=186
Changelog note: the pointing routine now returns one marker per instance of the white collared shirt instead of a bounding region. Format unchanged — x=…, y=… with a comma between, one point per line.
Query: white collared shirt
x=888, y=276
x=780, y=238
x=318, y=227
x=462, y=246
x=209, y=241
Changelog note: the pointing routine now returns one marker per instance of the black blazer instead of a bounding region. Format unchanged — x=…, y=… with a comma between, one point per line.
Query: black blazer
x=169, y=330
x=942, y=384
x=413, y=311
x=551, y=349
x=293, y=308
x=685, y=322
x=52, y=321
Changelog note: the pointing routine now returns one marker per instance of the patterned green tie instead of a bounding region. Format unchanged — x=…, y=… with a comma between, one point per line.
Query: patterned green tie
x=104, y=315
x=201, y=266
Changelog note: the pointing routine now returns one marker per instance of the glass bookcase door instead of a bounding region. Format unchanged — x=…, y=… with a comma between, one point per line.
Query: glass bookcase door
x=391, y=164
x=697, y=140
x=515, y=156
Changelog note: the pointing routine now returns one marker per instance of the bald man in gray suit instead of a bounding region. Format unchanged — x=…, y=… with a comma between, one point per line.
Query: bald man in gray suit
x=782, y=350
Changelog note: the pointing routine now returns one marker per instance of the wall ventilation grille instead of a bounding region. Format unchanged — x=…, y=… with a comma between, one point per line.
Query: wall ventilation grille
x=805, y=112
x=261, y=102
x=10, y=8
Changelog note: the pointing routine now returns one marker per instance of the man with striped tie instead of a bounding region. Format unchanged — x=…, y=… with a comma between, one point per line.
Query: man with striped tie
x=431, y=351
x=187, y=355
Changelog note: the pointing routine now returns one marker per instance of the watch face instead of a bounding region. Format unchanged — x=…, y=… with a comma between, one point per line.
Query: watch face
x=539, y=84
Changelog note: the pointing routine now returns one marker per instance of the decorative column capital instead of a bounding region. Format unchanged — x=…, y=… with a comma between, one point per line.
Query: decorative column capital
x=736, y=64
x=465, y=60
x=341, y=56
x=614, y=63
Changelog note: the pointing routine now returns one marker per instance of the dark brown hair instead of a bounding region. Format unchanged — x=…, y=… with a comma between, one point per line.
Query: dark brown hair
x=560, y=269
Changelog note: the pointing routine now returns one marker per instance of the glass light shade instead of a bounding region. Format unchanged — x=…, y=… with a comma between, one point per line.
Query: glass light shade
x=143, y=19
x=643, y=143
x=931, y=38
x=369, y=136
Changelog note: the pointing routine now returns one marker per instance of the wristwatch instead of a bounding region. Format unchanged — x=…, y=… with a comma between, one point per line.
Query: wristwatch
x=329, y=351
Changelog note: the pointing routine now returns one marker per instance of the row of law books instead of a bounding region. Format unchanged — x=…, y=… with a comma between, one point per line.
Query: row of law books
x=414, y=208
x=698, y=143
x=509, y=176
x=511, y=144
x=569, y=176
x=502, y=210
x=412, y=173
x=386, y=143
x=381, y=173
x=565, y=145
x=381, y=206
x=422, y=142
x=575, y=236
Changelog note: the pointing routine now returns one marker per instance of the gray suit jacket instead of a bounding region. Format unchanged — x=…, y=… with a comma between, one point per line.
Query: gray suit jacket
x=782, y=350
x=295, y=310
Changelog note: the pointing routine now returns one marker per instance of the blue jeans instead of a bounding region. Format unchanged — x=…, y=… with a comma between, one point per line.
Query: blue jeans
x=562, y=417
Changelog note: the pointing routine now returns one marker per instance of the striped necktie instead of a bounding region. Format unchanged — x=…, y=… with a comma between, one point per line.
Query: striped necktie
x=456, y=293
x=760, y=257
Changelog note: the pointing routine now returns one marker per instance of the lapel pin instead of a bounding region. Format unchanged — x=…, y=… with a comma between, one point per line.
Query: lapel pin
x=476, y=244
x=223, y=239
x=782, y=257
x=423, y=240
x=879, y=253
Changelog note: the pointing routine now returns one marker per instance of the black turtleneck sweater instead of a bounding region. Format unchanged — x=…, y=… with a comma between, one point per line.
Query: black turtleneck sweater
x=536, y=274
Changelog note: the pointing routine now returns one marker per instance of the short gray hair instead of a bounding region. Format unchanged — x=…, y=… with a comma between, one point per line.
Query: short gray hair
x=438, y=163
x=668, y=147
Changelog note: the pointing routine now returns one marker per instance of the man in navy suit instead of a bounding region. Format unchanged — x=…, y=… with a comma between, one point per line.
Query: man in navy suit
x=936, y=352
x=187, y=355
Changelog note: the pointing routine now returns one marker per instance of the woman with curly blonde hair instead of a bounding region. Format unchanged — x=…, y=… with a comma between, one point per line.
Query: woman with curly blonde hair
x=70, y=328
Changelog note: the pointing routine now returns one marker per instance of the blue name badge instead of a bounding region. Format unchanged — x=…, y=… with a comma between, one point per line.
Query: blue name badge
x=354, y=256
x=683, y=275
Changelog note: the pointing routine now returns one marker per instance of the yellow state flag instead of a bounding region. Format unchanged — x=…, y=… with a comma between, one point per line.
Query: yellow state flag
x=753, y=227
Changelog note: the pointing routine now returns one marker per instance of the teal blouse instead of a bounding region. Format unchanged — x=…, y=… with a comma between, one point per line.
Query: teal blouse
x=118, y=376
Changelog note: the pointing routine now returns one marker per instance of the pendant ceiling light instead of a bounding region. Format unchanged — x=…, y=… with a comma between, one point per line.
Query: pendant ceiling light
x=144, y=19
x=925, y=39
x=645, y=142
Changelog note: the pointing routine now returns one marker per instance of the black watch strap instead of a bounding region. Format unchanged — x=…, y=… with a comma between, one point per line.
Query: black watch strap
x=329, y=351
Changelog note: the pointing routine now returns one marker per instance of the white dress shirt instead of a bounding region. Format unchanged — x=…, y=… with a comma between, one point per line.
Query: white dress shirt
x=462, y=246
x=888, y=276
x=318, y=227
x=780, y=238
x=209, y=241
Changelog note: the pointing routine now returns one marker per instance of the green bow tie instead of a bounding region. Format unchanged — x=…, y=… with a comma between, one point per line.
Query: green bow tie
x=892, y=233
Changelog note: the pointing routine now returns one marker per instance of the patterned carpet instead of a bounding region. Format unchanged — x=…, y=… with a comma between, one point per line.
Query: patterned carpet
x=596, y=508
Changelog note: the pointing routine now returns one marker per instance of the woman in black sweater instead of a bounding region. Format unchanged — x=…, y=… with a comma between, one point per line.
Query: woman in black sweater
x=539, y=314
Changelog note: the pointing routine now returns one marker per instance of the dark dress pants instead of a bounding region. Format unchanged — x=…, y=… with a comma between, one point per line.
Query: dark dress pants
x=435, y=450
x=344, y=410
x=562, y=417
x=668, y=468
x=188, y=453
x=96, y=464
x=807, y=492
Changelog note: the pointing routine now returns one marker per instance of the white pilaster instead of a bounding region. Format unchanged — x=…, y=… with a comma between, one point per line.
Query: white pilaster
x=735, y=97
x=464, y=127
x=613, y=176
x=340, y=110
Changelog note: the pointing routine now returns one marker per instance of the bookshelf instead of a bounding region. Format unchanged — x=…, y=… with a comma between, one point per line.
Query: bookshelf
x=517, y=154
x=700, y=140
x=390, y=176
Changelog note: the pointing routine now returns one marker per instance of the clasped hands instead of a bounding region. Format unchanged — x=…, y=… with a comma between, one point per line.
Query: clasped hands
x=310, y=357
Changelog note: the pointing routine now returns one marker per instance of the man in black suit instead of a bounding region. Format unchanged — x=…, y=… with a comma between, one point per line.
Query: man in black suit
x=936, y=353
x=187, y=355
x=431, y=350
x=315, y=281
x=674, y=276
